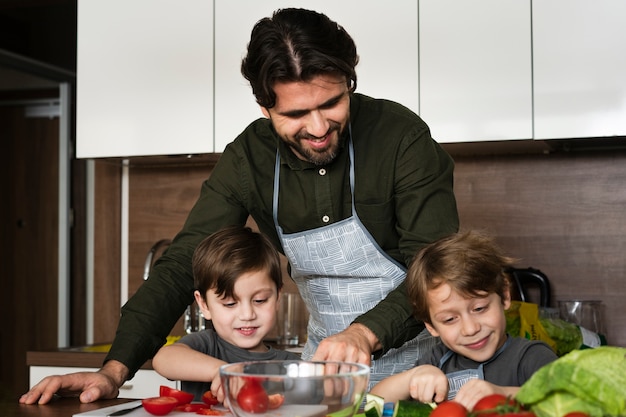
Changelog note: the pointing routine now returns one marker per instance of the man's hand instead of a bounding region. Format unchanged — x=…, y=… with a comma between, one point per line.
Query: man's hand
x=91, y=386
x=355, y=344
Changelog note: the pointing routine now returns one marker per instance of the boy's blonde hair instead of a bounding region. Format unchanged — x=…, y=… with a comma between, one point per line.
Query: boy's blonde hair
x=470, y=262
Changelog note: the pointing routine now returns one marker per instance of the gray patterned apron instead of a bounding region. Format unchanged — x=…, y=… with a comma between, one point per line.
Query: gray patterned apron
x=341, y=273
x=457, y=379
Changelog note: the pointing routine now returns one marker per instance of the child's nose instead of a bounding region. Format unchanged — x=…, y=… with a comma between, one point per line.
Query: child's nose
x=470, y=327
x=247, y=312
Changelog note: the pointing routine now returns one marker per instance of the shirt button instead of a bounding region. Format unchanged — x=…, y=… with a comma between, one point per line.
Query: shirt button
x=322, y=171
x=325, y=219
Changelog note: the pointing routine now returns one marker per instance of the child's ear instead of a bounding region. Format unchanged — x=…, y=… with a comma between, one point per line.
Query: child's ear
x=506, y=301
x=278, y=297
x=202, y=304
x=431, y=329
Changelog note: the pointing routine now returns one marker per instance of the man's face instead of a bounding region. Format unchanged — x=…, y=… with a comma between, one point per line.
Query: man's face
x=311, y=116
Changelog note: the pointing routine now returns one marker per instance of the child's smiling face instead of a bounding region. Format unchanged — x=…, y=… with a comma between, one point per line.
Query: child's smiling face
x=247, y=318
x=474, y=327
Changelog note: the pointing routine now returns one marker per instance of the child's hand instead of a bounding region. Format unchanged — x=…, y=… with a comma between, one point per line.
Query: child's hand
x=475, y=389
x=428, y=383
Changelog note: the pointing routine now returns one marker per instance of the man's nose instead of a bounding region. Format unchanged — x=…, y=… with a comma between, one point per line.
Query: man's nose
x=318, y=124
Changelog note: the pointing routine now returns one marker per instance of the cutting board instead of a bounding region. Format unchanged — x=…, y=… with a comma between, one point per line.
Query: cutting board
x=283, y=411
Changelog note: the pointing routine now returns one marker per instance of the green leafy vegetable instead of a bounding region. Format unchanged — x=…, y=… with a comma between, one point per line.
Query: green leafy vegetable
x=590, y=380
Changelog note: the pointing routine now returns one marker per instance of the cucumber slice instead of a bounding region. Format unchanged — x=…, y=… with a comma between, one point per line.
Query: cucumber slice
x=373, y=406
x=409, y=408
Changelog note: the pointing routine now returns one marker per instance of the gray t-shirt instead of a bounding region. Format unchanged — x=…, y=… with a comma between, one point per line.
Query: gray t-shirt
x=511, y=368
x=208, y=342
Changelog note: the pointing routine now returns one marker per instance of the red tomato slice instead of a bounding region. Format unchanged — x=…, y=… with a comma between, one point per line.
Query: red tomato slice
x=449, y=409
x=209, y=412
x=275, y=401
x=209, y=399
x=182, y=396
x=191, y=408
x=159, y=406
x=252, y=397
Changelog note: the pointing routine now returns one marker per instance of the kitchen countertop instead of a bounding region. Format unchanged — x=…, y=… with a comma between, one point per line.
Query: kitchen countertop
x=60, y=407
x=82, y=357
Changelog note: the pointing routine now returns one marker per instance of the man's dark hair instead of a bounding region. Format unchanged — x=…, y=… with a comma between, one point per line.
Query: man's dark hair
x=296, y=45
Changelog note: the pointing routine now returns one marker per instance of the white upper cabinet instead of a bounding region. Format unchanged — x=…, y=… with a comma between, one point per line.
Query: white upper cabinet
x=144, y=77
x=385, y=36
x=579, y=53
x=475, y=69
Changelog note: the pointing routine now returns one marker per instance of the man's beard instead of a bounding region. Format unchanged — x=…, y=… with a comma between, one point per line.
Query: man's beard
x=319, y=156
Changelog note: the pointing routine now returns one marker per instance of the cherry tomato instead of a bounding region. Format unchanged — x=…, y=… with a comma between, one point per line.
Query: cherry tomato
x=449, y=409
x=576, y=414
x=159, y=406
x=209, y=399
x=252, y=397
x=181, y=396
x=496, y=405
x=275, y=401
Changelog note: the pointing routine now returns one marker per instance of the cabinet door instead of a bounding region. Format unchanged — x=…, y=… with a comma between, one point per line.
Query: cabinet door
x=385, y=36
x=144, y=77
x=579, y=61
x=475, y=69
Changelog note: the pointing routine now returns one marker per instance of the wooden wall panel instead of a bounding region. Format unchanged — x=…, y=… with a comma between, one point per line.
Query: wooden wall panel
x=562, y=213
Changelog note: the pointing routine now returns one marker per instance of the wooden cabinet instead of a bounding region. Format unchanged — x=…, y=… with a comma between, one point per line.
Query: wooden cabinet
x=579, y=63
x=169, y=82
x=385, y=36
x=475, y=69
x=144, y=78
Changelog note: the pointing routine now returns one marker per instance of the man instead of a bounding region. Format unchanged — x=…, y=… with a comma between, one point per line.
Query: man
x=347, y=187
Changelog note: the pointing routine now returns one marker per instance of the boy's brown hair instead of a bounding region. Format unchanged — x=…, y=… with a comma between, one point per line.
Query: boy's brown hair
x=225, y=255
x=470, y=262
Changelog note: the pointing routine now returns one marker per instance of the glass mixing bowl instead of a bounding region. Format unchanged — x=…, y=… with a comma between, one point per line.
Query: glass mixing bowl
x=294, y=388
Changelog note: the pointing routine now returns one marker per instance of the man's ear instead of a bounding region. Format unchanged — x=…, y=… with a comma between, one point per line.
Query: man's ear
x=265, y=112
x=431, y=329
x=202, y=304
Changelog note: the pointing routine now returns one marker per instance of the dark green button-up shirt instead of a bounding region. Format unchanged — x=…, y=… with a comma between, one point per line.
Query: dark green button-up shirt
x=403, y=195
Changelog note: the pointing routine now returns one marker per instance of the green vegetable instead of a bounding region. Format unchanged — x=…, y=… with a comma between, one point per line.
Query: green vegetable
x=373, y=406
x=566, y=335
x=409, y=408
x=589, y=380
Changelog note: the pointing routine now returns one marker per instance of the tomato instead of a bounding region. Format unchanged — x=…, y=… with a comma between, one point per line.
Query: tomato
x=252, y=397
x=159, y=406
x=496, y=405
x=191, y=408
x=209, y=412
x=181, y=396
x=275, y=401
x=449, y=409
x=209, y=399
x=576, y=414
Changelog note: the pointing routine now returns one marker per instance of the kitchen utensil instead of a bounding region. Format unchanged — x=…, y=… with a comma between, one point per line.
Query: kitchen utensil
x=299, y=388
x=125, y=411
x=585, y=313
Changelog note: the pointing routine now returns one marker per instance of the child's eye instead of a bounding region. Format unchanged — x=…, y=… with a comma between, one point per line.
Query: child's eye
x=229, y=304
x=481, y=308
x=260, y=301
